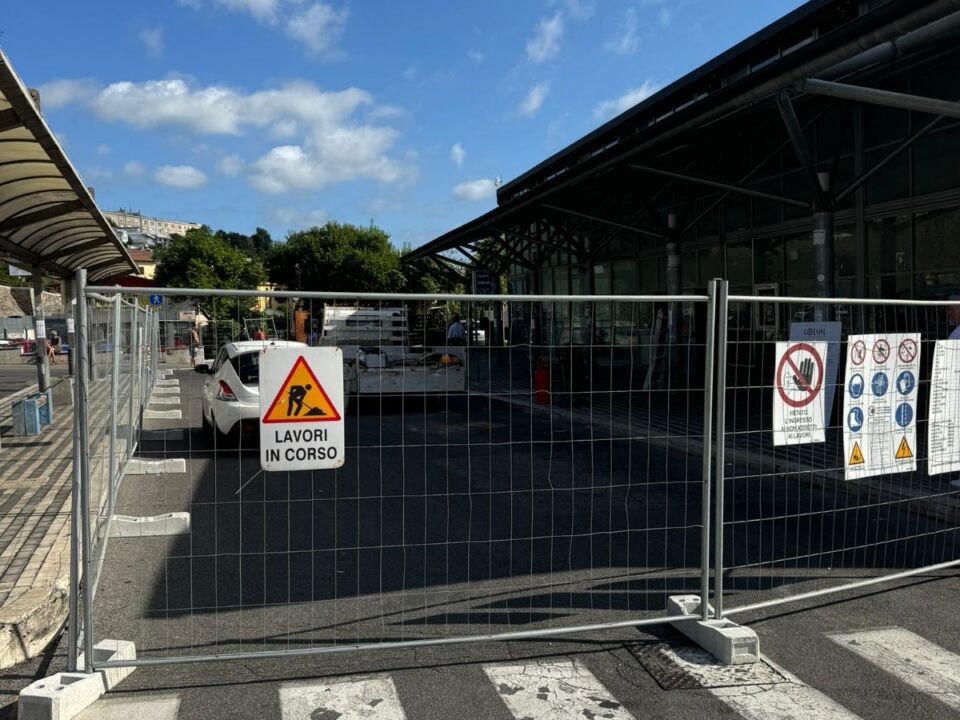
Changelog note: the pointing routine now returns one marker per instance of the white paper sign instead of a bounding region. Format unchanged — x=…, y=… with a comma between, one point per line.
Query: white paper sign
x=880, y=404
x=943, y=428
x=798, y=393
x=301, y=408
x=41, y=329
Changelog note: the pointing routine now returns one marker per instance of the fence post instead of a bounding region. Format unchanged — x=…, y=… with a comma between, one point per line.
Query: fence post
x=83, y=383
x=114, y=392
x=708, y=375
x=133, y=374
x=720, y=445
x=73, y=619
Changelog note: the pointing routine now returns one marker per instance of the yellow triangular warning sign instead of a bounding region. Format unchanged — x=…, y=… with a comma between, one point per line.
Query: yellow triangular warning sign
x=301, y=398
x=856, y=457
x=904, y=452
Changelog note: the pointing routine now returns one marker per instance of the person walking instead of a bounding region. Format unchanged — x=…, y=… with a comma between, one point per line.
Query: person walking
x=194, y=345
x=456, y=335
x=53, y=347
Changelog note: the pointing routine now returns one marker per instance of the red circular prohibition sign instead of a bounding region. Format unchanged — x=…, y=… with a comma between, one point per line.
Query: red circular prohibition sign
x=812, y=392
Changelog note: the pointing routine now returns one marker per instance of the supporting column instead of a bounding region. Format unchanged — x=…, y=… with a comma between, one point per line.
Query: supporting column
x=823, y=251
x=43, y=365
x=673, y=288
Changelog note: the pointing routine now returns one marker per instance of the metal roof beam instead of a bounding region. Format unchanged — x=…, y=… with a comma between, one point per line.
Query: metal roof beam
x=602, y=221
x=47, y=213
x=23, y=255
x=886, y=98
x=800, y=147
x=536, y=241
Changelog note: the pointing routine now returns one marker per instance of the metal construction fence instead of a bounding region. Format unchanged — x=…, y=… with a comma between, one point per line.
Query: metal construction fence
x=516, y=467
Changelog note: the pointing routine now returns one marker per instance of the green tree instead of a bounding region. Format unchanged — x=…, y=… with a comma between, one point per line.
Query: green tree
x=200, y=259
x=337, y=258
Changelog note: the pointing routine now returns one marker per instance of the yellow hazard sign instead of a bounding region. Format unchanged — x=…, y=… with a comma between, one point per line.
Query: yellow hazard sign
x=301, y=398
x=904, y=452
x=856, y=457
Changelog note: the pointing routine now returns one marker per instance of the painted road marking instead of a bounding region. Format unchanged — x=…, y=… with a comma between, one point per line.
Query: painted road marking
x=761, y=691
x=371, y=697
x=554, y=689
x=124, y=708
x=912, y=659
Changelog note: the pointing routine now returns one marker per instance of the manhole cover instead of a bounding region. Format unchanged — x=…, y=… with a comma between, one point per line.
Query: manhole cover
x=686, y=667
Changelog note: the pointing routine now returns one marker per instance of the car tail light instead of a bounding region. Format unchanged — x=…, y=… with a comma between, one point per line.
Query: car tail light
x=226, y=393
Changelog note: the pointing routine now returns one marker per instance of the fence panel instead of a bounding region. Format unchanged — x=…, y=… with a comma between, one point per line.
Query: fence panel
x=793, y=525
x=515, y=466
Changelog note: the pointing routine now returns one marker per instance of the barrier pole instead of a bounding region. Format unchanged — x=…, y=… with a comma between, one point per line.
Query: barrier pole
x=720, y=446
x=83, y=382
x=133, y=383
x=73, y=617
x=708, y=376
x=114, y=392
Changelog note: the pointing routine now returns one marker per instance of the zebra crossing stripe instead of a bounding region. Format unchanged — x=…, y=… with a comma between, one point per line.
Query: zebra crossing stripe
x=910, y=658
x=551, y=689
x=372, y=697
x=762, y=691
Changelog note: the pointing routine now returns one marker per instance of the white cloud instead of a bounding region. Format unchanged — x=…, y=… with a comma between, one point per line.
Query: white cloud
x=96, y=174
x=133, y=169
x=627, y=41
x=545, y=42
x=230, y=165
x=474, y=190
x=58, y=93
x=665, y=16
x=180, y=176
x=319, y=28
x=103, y=149
x=192, y=4
x=295, y=219
x=476, y=57
x=580, y=9
x=335, y=145
x=457, y=155
x=530, y=104
x=152, y=39
x=262, y=10
x=610, y=108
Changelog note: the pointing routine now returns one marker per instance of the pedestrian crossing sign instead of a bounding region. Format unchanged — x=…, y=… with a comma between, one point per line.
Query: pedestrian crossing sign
x=904, y=452
x=856, y=457
x=301, y=399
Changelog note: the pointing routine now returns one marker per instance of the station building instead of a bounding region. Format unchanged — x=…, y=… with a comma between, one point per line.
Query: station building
x=819, y=157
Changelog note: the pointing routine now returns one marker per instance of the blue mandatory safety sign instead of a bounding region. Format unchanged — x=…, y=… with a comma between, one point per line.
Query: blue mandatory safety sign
x=904, y=414
x=906, y=382
x=855, y=419
x=879, y=384
x=156, y=299
x=855, y=386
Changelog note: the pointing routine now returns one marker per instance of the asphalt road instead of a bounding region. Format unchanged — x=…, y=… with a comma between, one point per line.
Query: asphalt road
x=482, y=518
x=17, y=377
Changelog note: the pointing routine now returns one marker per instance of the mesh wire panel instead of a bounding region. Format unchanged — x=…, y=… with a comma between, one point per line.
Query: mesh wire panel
x=510, y=466
x=793, y=523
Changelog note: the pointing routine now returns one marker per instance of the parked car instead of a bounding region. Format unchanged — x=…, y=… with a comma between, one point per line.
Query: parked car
x=230, y=399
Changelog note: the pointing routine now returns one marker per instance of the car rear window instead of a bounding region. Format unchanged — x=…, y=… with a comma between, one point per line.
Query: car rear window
x=247, y=367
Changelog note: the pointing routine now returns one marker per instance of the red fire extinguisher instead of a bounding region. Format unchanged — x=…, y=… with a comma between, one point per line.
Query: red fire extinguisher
x=541, y=384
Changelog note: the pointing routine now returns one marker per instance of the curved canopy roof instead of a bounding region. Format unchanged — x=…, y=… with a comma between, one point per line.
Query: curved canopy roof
x=48, y=217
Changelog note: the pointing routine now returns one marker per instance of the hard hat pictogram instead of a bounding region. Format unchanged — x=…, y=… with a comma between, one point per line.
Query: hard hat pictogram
x=301, y=398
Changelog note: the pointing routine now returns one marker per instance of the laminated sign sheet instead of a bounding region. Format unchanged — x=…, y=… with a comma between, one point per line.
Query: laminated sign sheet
x=798, y=393
x=301, y=408
x=943, y=428
x=880, y=404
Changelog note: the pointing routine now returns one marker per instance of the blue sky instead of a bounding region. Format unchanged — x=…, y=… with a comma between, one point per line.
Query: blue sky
x=287, y=113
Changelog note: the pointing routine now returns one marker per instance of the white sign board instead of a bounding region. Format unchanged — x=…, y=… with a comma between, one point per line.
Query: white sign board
x=69, y=325
x=880, y=404
x=301, y=408
x=14, y=271
x=828, y=332
x=798, y=393
x=41, y=329
x=943, y=428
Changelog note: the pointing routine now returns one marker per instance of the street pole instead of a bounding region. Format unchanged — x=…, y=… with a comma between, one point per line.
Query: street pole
x=43, y=364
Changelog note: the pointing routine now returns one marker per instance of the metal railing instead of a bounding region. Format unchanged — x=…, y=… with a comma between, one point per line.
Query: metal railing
x=538, y=470
x=516, y=467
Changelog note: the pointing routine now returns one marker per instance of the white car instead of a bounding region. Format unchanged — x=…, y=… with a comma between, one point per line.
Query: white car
x=230, y=397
